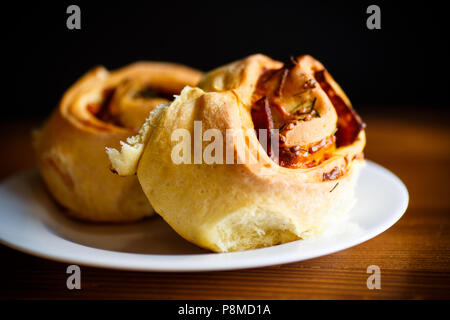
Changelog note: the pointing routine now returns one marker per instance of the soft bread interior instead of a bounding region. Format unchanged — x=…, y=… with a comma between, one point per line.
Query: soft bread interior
x=125, y=161
x=255, y=229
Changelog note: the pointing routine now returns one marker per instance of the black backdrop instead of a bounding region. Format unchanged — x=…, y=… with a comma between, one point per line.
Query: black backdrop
x=402, y=65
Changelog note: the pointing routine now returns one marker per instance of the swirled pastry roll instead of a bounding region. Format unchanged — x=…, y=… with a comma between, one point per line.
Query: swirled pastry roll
x=101, y=109
x=287, y=185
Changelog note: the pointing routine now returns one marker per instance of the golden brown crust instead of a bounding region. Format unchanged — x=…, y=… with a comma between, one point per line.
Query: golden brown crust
x=71, y=145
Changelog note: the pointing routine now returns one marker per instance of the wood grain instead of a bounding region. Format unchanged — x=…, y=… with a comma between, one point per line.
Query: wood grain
x=414, y=255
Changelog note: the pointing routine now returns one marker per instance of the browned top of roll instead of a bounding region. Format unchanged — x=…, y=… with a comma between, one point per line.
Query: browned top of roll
x=121, y=100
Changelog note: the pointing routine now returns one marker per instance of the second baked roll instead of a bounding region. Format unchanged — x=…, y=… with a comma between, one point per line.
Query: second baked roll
x=101, y=109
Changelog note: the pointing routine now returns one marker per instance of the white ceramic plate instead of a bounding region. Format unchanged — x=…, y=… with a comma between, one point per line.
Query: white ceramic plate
x=31, y=222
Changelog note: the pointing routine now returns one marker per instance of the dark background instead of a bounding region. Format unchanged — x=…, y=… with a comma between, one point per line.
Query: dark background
x=402, y=65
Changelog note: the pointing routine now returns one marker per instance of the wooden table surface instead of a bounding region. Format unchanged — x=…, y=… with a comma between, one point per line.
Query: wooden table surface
x=414, y=255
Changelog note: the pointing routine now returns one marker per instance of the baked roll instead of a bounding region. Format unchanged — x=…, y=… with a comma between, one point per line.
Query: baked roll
x=101, y=109
x=287, y=185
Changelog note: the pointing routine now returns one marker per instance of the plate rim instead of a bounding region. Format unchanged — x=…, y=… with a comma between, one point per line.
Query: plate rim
x=235, y=265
